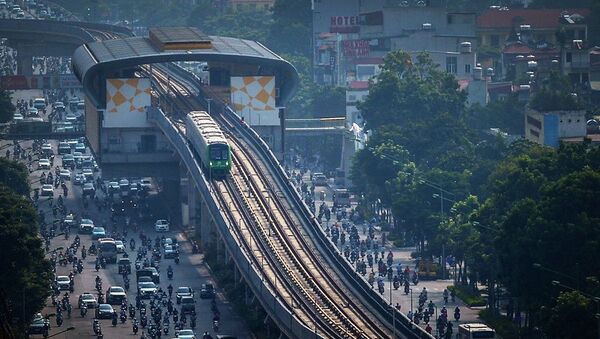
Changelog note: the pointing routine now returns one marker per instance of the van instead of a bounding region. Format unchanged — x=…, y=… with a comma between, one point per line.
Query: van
x=475, y=331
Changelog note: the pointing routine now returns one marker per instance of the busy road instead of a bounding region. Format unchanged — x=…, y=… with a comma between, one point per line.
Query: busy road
x=124, y=212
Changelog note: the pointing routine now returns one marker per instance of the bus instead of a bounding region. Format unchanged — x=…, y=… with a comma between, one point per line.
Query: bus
x=475, y=331
x=107, y=248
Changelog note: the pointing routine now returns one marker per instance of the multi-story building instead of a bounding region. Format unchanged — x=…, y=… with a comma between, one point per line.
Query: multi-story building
x=548, y=128
x=545, y=38
x=351, y=38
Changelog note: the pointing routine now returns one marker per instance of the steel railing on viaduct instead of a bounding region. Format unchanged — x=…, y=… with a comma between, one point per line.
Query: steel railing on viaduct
x=404, y=328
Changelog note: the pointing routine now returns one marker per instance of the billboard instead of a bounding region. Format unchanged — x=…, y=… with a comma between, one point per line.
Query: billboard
x=16, y=82
x=253, y=98
x=126, y=102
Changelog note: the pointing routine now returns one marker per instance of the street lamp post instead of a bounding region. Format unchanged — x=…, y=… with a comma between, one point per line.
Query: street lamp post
x=574, y=279
x=411, y=300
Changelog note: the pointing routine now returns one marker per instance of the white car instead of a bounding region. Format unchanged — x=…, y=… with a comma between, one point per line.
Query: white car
x=120, y=246
x=32, y=111
x=146, y=289
x=69, y=220
x=44, y=164
x=113, y=187
x=88, y=299
x=47, y=148
x=63, y=282
x=88, y=174
x=47, y=189
x=185, y=334
x=17, y=117
x=86, y=226
x=161, y=225
x=70, y=117
x=65, y=174
x=80, y=147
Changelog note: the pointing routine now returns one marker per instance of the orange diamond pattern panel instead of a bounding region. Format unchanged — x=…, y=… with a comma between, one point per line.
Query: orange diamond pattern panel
x=253, y=93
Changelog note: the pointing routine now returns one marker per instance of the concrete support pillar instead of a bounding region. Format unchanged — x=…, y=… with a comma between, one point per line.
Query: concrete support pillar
x=348, y=151
x=25, y=65
x=192, y=199
x=204, y=224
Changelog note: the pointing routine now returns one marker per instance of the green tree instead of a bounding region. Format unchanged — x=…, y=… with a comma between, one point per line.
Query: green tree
x=292, y=27
x=26, y=287
x=329, y=101
x=555, y=94
x=577, y=311
x=7, y=109
x=14, y=176
x=507, y=115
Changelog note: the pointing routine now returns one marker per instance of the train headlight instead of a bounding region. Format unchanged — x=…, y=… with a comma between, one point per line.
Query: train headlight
x=226, y=163
x=210, y=163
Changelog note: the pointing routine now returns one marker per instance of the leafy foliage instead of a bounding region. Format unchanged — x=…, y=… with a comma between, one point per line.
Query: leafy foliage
x=7, y=109
x=14, y=176
x=26, y=287
x=292, y=27
x=555, y=94
x=542, y=203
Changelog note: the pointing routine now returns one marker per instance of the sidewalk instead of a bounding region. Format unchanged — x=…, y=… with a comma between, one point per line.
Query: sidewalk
x=435, y=288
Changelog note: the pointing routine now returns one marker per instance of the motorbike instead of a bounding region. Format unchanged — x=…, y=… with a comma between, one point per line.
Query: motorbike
x=114, y=320
x=83, y=311
x=170, y=275
x=123, y=317
x=457, y=314
x=96, y=327
x=216, y=325
x=135, y=327
x=177, y=260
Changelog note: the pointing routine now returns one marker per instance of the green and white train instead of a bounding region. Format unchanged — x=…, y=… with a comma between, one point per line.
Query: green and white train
x=209, y=143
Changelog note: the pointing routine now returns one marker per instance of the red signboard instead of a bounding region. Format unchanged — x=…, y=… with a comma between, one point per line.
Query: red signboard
x=344, y=24
x=14, y=82
x=356, y=48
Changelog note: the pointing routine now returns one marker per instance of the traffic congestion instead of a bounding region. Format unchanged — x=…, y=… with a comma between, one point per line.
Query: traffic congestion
x=121, y=268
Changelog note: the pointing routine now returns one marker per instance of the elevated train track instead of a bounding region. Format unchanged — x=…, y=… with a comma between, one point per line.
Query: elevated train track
x=271, y=226
x=271, y=234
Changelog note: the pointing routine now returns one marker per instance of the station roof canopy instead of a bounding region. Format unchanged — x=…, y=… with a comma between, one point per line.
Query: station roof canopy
x=179, y=38
x=92, y=60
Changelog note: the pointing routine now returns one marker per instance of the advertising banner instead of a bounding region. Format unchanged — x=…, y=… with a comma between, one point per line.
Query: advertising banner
x=253, y=98
x=356, y=48
x=126, y=102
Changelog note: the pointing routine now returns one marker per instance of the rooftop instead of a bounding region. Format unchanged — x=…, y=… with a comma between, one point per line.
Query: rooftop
x=536, y=18
x=179, y=38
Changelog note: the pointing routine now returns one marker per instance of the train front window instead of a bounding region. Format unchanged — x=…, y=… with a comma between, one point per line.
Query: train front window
x=218, y=152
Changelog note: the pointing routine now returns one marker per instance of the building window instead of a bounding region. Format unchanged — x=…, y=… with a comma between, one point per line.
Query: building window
x=569, y=57
x=451, y=64
x=351, y=98
x=467, y=68
x=495, y=40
